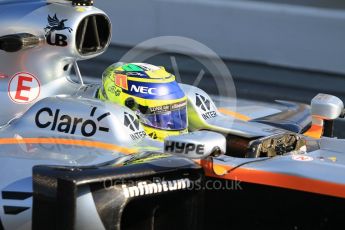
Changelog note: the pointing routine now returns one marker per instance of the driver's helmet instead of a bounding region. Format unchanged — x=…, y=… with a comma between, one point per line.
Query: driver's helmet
x=151, y=92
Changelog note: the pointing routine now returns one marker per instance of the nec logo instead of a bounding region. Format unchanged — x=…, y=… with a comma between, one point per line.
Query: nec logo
x=144, y=90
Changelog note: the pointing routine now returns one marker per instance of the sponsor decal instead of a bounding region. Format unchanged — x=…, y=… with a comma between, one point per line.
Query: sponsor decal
x=160, y=109
x=64, y=123
x=146, y=188
x=161, y=91
x=131, y=67
x=205, y=105
x=55, y=24
x=302, y=158
x=114, y=90
x=166, y=108
x=117, y=92
x=202, y=102
x=183, y=148
x=153, y=135
x=133, y=124
x=23, y=88
x=209, y=115
x=121, y=81
x=147, y=67
x=144, y=89
x=136, y=74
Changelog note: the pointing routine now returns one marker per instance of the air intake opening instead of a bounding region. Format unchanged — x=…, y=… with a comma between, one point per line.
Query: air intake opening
x=182, y=210
x=93, y=34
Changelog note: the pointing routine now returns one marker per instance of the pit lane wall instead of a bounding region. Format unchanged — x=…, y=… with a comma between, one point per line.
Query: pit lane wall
x=276, y=33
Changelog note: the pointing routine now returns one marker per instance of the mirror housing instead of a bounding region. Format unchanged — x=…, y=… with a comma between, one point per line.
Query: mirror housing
x=326, y=107
x=196, y=145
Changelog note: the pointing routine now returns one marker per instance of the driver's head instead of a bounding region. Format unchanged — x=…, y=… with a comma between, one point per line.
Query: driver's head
x=151, y=92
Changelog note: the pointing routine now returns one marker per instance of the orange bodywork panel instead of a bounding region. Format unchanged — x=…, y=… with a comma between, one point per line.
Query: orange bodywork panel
x=273, y=179
x=60, y=141
x=234, y=114
x=315, y=131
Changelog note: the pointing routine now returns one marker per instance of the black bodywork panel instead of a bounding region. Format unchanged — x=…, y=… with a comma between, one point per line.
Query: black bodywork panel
x=56, y=191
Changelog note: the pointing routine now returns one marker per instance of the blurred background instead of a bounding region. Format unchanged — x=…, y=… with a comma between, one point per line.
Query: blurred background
x=274, y=49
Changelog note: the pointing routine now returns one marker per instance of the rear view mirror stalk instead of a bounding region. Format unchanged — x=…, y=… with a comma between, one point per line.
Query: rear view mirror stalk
x=325, y=109
x=328, y=128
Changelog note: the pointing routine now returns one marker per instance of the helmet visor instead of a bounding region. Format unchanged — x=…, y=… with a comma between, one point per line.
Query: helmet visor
x=168, y=120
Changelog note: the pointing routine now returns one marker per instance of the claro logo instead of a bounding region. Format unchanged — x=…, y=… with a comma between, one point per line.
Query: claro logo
x=64, y=123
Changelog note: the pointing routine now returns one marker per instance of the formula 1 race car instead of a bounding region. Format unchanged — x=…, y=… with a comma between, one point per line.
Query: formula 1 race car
x=70, y=161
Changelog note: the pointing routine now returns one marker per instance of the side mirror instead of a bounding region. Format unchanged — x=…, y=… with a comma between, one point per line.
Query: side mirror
x=196, y=145
x=326, y=107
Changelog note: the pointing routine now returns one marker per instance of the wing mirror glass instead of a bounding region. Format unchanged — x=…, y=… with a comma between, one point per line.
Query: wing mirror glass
x=196, y=145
